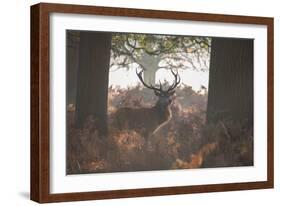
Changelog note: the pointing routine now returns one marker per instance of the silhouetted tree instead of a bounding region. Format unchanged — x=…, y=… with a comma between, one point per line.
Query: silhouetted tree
x=92, y=79
x=72, y=56
x=152, y=52
x=231, y=80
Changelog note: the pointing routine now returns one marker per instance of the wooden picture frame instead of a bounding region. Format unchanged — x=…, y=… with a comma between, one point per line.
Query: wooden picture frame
x=40, y=102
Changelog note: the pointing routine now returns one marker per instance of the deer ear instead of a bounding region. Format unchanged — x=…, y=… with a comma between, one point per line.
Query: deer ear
x=156, y=93
x=171, y=92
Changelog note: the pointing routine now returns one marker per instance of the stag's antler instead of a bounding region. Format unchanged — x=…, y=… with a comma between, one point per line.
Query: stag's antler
x=176, y=82
x=160, y=89
x=139, y=74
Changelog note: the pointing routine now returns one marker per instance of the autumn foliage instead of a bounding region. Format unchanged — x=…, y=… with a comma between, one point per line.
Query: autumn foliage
x=185, y=142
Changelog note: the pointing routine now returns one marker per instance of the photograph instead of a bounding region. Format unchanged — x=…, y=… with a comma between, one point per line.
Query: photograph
x=146, y=102
x=133, y=102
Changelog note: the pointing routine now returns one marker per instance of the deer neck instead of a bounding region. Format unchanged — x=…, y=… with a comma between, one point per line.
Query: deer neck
x=163, y=111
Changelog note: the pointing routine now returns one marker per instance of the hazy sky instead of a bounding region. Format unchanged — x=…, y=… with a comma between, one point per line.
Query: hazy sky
x=124, y=78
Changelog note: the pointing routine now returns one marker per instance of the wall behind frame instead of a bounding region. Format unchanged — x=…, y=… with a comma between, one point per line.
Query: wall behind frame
x=14, y=102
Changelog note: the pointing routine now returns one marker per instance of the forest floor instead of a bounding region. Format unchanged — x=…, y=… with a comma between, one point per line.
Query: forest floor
x=187, y=141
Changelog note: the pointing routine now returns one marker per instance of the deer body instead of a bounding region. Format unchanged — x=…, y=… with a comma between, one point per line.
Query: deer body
x=146, y=120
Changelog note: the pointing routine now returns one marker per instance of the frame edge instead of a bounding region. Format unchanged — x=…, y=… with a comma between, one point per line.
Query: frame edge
x=40, y=92
x=270, y=100
x=34, y=110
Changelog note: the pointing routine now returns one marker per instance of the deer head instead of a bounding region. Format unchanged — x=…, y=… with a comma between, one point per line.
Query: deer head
x=164, y=96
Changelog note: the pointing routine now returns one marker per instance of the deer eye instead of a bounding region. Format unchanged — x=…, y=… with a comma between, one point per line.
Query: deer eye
x=157, y=93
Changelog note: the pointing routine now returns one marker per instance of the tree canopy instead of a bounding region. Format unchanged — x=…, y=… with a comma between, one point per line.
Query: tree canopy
x=169, y=51
x=151, y=52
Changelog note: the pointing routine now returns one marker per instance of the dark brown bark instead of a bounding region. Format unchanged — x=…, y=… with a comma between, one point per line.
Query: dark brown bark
x=72, y=56
x=92, y=79
x=231, y=80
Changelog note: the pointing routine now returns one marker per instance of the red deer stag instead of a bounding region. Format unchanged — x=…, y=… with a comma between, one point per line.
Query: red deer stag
x=146, y=120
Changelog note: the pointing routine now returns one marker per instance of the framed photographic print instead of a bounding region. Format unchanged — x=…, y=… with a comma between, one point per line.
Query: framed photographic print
x=131, y=102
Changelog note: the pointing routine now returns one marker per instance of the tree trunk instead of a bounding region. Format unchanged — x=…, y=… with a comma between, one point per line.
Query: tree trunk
x=72, y=53
x=231, y=80
x=150, y=64
x=92, y=79
x=149, y=76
